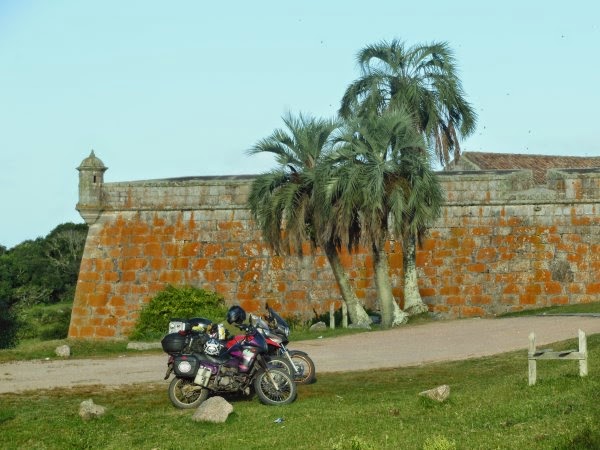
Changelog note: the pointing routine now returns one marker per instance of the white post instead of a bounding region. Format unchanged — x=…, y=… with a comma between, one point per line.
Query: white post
x=532, y=362
x=583, y=366
x=331, y=317
x=344, y=315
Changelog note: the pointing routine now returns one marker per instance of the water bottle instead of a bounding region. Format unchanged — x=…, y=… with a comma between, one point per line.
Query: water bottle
x=221, y=329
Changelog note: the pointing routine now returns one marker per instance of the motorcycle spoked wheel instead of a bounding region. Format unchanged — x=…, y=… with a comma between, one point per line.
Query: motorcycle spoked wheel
x=305, y=372
x=275, y=387
x=184, y=394
x=279, y=362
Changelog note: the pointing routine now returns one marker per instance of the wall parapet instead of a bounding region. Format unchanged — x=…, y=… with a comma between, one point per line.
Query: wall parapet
x=518, y=186
x=178, y=193
x=460, y=187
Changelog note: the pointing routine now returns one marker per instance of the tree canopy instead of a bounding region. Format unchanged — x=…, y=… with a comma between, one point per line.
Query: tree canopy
x=421, y=79
x=36, y=272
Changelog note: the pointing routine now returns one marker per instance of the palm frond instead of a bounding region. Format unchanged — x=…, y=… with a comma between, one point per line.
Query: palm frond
x=422, y=79
x=282, y=201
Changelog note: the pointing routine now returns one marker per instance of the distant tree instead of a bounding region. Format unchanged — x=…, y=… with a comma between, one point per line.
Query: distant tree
x=38, y=272
x=6, y=280
x=64, y=250
x=8, y=326
x=31, y=271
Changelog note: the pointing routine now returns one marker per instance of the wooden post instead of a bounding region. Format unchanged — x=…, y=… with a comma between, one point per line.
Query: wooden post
x=532, y=362
x=344, y=315
x=583, y=366
x=331, y=317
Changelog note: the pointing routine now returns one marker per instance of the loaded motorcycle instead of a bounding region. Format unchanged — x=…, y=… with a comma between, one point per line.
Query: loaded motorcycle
x=215, y=370
x=277, y=332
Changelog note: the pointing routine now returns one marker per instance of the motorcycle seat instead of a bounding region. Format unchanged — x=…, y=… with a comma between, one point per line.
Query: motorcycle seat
x=221, y=359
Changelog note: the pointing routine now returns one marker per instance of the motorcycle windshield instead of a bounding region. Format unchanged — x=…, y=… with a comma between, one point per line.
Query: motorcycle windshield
x=257, y=340
x=259, y=322
x=281, y=325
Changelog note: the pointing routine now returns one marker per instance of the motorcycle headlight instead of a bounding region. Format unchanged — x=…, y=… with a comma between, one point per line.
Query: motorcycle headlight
x=284, y=330
x=184, y=367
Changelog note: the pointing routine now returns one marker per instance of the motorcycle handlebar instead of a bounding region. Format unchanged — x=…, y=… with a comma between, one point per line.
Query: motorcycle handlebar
x=247, y=328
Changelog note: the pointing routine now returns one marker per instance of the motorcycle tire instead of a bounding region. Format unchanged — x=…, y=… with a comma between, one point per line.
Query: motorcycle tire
x=184, y=394
x=275, y=387
x=305, y=372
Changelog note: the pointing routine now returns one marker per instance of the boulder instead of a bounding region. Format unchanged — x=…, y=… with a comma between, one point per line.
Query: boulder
x=64, y=351
x=214, y=409
x=438, y=394
x=319, y=326
x=89, y=410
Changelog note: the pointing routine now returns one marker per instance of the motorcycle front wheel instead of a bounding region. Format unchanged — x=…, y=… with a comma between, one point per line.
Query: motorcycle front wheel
x=305, y=372
x=275, y=387
x=279, y=362
x=184, y=394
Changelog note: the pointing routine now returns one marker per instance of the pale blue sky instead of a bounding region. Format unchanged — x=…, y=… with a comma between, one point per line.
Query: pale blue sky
x=167, y=89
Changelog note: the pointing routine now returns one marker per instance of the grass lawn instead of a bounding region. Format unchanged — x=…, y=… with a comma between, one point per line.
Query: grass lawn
x=490, y=406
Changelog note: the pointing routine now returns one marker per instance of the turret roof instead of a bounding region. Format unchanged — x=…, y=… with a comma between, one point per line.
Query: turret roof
x=92, y=162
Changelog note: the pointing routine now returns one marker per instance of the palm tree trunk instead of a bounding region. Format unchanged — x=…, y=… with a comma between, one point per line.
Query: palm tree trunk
x=391, y=314
x=356, y=311
x=413, y=303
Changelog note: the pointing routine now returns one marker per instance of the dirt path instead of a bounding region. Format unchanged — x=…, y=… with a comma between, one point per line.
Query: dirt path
x=400, y=347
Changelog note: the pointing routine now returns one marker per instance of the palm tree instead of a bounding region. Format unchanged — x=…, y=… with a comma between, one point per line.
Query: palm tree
x=282, y=200
x=376, y=178
x=422, y=80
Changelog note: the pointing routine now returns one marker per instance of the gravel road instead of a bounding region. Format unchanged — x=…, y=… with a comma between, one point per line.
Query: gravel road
x=399, y=347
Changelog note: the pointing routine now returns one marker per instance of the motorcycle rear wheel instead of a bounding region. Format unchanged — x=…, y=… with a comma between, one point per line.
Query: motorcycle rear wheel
x=283, y=392
x=305, y=372
x=184, y=394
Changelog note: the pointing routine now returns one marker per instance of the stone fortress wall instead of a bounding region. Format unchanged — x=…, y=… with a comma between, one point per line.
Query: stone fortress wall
x=502, y=244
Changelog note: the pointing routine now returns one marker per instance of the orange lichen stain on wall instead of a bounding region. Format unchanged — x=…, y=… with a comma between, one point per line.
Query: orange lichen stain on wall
x=593, y=288
x=472, y=311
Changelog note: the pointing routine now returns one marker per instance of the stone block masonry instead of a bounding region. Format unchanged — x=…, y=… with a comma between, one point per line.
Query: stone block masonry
x=502, y=244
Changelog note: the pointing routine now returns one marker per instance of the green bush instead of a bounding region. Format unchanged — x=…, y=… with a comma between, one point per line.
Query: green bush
x=177, y=302
x=45, y=322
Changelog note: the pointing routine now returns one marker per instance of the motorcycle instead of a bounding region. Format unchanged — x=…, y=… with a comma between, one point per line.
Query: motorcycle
x=276, y=331
x=241, y=368
x=204, y=328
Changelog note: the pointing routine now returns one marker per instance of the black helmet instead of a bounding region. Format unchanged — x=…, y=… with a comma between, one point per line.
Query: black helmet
x=236, y=315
